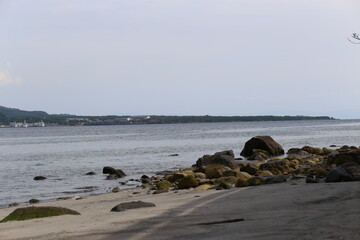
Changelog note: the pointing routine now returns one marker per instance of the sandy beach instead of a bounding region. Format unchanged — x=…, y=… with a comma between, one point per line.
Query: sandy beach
x=290, y=210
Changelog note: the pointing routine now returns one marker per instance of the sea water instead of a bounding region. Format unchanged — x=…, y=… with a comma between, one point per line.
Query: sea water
x=65, y=154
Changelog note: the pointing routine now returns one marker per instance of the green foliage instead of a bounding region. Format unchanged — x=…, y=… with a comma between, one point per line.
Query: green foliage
x=37, y=212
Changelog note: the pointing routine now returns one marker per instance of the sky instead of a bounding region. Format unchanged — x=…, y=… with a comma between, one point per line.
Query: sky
x=188, y=57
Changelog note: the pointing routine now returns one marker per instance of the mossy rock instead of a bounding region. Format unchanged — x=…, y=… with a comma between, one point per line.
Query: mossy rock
x=164, y=184
x=255, y=181
x=241, y=183
x=204, y=187
x=312, y=150
x=188, y=182
x=265, y=173
x=243, y=176
x=224, y=185
x=200, y=175
x=215, y=170
x=341, y=159
x=37, y=212
x=228, y=180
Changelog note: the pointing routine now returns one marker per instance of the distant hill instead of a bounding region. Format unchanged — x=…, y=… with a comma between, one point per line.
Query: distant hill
x=14, y=112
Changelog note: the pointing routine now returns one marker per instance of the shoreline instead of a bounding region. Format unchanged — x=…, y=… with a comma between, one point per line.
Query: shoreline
x=290, y=210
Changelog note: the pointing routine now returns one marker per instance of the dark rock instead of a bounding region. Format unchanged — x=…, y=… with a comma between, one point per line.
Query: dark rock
x=260, y=155
x=37, y=178
x=90, y=173
x=14, y=204
x=264, y=143
x=241, y=183
x=206, y=159
x=332, y=146
x=339, y=174
x=225, y=160
x=144, y=176
x=37, y=212
x=311, y=179
x=223, y=185
x=115, y=189
x=174, y=155
x=111, y=170
x=112, y=177
x=297, y=152
x=34, y=200
x=252, y=170
x=274, y=179
x=131, y=205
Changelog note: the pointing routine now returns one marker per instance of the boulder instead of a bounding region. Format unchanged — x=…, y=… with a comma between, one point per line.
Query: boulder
x=164, y=184
x=265, y=143
x=111, y=170
x=37, y=212
x=339, y=174
x=115, y=189
x=226, y=158
x=215, y=170
x=250, y=169
x=255, y=181
x=34, y=200
x=131, y=205
x=188, y=182
x=90, y=173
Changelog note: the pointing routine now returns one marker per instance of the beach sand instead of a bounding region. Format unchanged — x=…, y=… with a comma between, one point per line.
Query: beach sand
x=290, y=210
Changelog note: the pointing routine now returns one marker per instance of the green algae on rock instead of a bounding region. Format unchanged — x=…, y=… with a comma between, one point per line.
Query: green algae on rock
x=27, y=213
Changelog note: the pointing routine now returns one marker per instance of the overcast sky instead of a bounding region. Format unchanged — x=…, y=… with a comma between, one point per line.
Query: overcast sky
x=188, y=57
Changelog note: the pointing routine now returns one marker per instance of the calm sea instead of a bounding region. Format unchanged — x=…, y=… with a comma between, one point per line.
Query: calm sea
x=65, y=154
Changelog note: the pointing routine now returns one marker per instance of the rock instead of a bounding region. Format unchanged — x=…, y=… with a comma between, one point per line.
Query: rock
x=250, y=169
x=37, y=212
x=225, y=160
x=311, y=179
x=34, y=200
x=37, y=178
x=274, y=179
x=131, y=205
x=188, y=182
x=255, y=181
x=215, y=170
x=339, y=174
x=174, y=155
x=241, y=183
x=164, y=184
x=297, y=152
x=90, y=173
x=116, y=189
x=162, y=190
x=312, y=150
x=230, y=180
x=223, y=185
x=144, y=177
x=112, y=177
x=317, y=171
x=276, y=167
x=200, y=175
x=264, y=143
x=351, y=167
x=265, y=173
x=14, y=204
x=111, y=170
x=204, y=187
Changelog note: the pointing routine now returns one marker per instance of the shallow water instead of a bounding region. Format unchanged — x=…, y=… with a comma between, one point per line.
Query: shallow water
x=65, y=154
